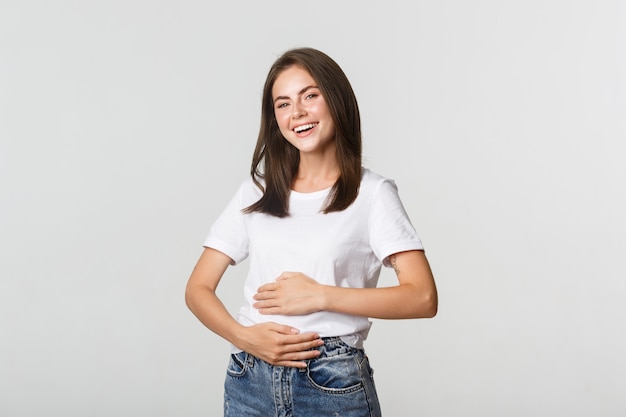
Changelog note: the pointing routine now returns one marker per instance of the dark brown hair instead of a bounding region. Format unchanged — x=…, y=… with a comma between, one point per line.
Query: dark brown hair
x=276, y=160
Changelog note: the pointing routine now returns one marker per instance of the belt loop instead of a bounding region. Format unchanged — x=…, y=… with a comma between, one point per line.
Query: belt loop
x=250, y=360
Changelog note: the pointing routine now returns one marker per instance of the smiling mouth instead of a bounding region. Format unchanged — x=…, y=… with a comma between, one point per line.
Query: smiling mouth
x=304, y=128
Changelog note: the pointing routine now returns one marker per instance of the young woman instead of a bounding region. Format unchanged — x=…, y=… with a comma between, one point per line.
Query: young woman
x=317, y=228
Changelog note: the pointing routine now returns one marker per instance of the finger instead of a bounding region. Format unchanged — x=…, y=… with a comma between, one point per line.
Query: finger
x=305, y=350
x=268, y=310
x=285, y=275
x=267, y=287
x=263, y=304
x=302, y=341
x=294, y=364
x=262, y=296
x=312, y=354
x=291, y=364
x=286, y=330
x=294, y=341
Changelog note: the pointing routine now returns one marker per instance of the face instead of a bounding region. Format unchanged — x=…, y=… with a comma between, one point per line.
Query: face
x=302, y=113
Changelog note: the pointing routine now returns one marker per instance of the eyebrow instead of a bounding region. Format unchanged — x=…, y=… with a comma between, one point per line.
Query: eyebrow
x=299, y=93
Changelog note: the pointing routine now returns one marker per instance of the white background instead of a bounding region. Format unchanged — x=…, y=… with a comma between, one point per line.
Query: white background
x=125, y=126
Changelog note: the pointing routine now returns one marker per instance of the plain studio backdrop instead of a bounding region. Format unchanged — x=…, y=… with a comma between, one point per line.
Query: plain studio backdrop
x=125, y=126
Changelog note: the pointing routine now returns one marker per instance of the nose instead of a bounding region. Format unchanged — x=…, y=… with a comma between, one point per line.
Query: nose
x=297, y=111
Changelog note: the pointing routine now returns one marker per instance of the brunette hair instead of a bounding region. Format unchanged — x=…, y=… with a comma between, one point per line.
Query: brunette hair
x=276, y=160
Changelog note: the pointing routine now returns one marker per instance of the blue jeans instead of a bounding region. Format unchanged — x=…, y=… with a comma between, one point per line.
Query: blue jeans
x=339, y=382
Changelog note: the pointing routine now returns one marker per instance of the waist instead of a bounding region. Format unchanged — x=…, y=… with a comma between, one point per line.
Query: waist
x=352, y=329
x=336, y=345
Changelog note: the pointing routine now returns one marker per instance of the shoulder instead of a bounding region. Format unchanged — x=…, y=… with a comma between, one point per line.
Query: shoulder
x=372, y=183
x=249, y=192
x=248, y=185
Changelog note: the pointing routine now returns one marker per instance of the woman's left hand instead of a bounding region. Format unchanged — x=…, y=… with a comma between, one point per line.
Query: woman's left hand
x=292, y=294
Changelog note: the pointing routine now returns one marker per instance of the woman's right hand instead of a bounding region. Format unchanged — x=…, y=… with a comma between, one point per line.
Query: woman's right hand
x=279, y=344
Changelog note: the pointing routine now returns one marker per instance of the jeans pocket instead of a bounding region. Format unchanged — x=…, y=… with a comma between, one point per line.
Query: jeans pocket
x=339, y=374
x=238, y=364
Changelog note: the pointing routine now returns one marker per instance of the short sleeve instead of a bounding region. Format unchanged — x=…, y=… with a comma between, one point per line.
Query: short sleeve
x=228, y=234
x=390, y=228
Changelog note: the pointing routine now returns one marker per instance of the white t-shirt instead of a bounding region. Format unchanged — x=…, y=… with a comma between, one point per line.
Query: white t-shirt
x=345, y=248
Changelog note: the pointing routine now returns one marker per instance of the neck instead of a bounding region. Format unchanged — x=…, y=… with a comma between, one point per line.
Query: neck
x=316, y=173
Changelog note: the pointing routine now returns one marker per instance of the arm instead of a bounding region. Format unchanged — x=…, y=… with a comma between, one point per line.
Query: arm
x=275, y=343
x=415, y=296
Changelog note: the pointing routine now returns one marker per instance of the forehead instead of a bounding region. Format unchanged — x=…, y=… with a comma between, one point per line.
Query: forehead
x=291, y=81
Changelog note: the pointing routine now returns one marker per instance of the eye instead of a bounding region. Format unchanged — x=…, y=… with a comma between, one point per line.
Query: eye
x=310, y=96
x=282, y=105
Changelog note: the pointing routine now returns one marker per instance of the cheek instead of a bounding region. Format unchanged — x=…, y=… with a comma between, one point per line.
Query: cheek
x=283, y=124
x=280, y=120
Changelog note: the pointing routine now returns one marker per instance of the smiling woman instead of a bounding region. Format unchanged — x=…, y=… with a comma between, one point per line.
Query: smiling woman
x=303, y=116
x=317, y=228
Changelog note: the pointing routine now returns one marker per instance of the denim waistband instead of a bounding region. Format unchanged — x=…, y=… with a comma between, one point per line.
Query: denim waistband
x=335, y=346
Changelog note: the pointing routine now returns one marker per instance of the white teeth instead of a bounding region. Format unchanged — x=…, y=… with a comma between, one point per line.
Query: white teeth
x=304, y=127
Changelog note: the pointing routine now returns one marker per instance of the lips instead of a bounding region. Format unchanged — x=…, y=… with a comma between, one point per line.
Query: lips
x=304, y=128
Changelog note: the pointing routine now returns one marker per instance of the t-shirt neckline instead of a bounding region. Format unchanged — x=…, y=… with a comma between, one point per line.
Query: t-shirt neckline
x=310, y=196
